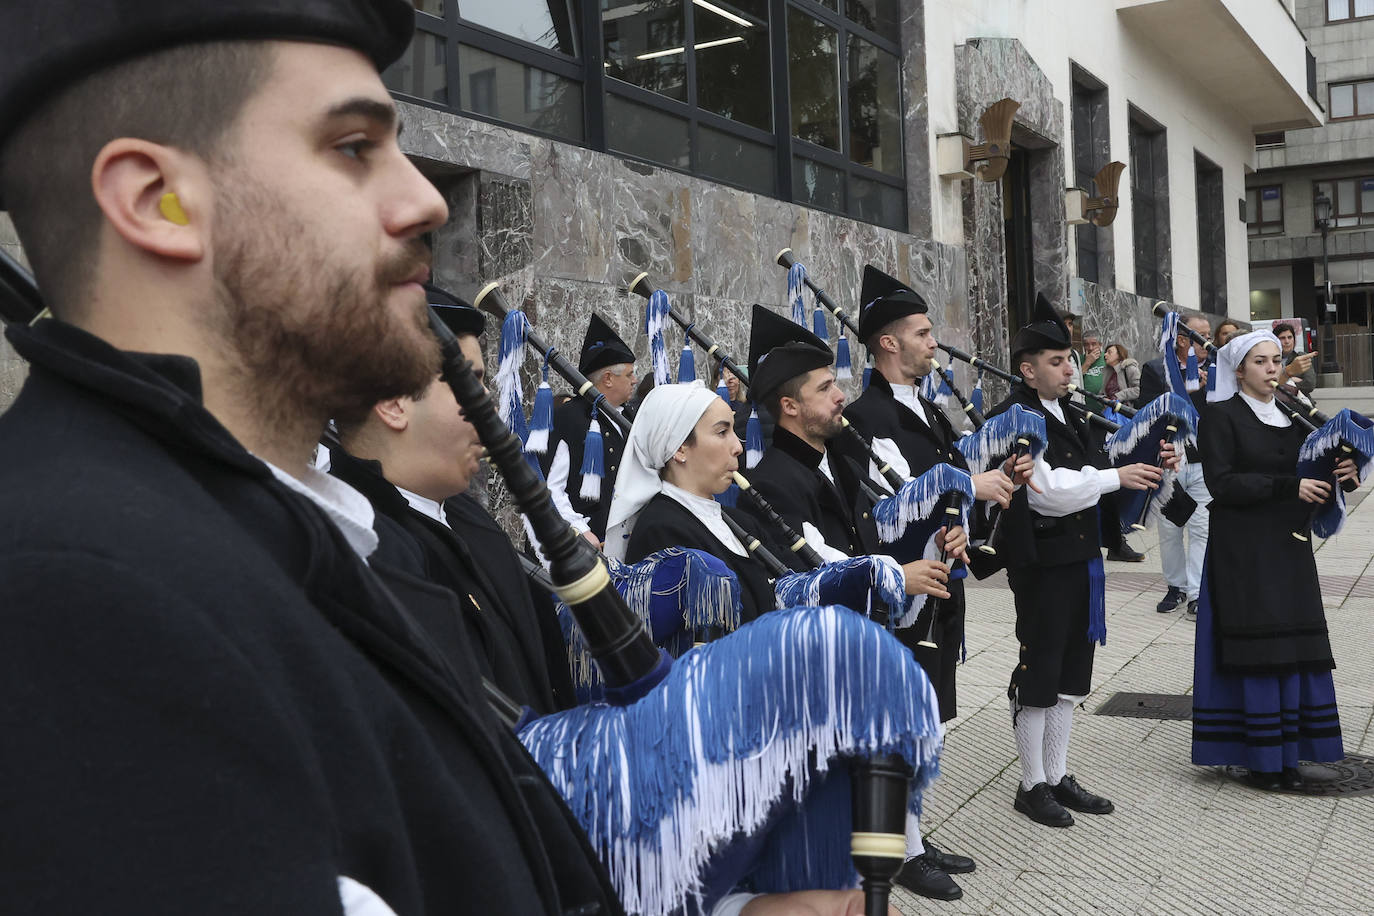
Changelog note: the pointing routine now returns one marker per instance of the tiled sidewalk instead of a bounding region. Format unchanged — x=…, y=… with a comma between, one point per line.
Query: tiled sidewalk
x=1183, y=839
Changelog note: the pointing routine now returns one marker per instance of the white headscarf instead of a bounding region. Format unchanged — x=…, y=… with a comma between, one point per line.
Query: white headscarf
x=664, y=421
x=1229, y=359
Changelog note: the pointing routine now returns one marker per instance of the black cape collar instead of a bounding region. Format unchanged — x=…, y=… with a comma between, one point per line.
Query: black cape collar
x=159, y=392
x=793, y=445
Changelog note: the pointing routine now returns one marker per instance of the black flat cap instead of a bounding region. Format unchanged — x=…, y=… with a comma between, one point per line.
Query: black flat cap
x=602, y=347
x=456, y=312
x=779, y=350
x=1046, y=331
x=46, y=45
x=883, y=300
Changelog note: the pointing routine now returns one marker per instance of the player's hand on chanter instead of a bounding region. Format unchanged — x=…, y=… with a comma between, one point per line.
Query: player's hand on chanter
x=953, y=541
x=926, y=577
x=1169, y=455
x=993, y=486
x=1139, y=476
x=1311, y=490
x=1347, y=471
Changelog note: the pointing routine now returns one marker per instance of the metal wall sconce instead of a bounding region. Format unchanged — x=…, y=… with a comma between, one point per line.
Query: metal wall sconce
x=1079, y=208
x=955, y=154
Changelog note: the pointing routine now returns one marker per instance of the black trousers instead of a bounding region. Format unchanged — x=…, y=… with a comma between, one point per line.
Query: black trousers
x=941, y=662
x=1052, y=628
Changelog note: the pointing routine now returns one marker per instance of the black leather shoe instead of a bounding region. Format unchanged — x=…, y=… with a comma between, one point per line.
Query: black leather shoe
x=1038, y=803
x=1172, y=599
x=948, y=862
x=1125, y=554
x=1267, y=782
x=919, y=876
x=1071, y=795
x=1290, y=778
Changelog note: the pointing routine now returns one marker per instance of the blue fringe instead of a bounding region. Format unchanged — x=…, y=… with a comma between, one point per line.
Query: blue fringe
x=1137, y=441
x=686, y=364
x=510, y=402
x=1192, y=381
x=655, y=317
x=593, y=460
x=1319, y=455
x=852, y=583
x=796, y=285
x=1097, y=601
x=843, y=365
x=995, y=441
x=675, y=592
x=541, y=417
x=738, y=733
x=753, y=439
x=908, y=520
x=868, y=373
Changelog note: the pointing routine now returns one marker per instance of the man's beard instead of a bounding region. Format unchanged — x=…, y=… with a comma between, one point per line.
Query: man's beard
x=313, y=338
x=822, y=425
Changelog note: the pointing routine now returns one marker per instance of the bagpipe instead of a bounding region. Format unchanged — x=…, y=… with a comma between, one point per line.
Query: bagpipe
x=1347, y=435
x=672, y=770
x=908, y=519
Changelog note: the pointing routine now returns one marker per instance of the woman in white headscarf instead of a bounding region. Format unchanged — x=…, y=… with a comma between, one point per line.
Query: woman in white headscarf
x=1263, y=692
x=681, y=452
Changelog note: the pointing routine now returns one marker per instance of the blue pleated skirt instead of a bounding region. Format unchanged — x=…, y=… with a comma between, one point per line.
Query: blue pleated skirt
x=1263, y=722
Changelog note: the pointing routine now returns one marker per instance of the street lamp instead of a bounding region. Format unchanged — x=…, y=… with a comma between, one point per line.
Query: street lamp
x=1321, y=204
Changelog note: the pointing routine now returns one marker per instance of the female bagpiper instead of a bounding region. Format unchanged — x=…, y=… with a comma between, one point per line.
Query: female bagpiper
x=1263, y=694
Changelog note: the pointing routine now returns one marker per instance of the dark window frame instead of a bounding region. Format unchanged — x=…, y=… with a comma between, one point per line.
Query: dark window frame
x=588, y=72
x=1358, y=214
x=1350, y=8
x=1149, y=205
x=1089, y=107
x=1354, y=98
x=1258, y=225
x=1211, y=234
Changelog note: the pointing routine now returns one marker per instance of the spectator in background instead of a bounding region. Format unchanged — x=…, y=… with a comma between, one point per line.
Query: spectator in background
x=1225, y=331
x=1123, y=375
x=1071, y=322
x=1095, y=369
x=1297, y=367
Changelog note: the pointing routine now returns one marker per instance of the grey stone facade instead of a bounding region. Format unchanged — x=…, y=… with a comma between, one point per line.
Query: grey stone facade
x=13, y=370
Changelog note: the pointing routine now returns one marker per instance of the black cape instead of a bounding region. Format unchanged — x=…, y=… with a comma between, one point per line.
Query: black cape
x=878, y=415
x=665, y=522
x=1266, y=599
x=498, y=619
x=211, y=704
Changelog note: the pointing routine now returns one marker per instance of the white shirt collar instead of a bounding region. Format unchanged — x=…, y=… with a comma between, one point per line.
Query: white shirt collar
x=909, y=396
x=1053, y=407
x=1269, y=413
x=348, y=509
x=424, y=505
x=707, y=511
x=825, y=465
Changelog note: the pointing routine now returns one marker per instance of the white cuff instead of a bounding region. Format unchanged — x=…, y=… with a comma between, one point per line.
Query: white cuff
x=1109, y=481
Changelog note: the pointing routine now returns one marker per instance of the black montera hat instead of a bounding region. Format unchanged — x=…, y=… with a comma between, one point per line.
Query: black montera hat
x=46, y=45
x=779, y=350
x=456, y=312
x=602, y=347
x=1046, y=331
x=883, y=300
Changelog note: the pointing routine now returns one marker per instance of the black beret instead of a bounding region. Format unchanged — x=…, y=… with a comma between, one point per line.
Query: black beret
x=1046, y=331
x=46, y=45
x=780, y=350
x=602, y=347
x=883, y=300
x=456, y=312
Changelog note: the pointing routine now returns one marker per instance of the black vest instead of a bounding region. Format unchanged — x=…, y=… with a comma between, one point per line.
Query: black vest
x=570, y=425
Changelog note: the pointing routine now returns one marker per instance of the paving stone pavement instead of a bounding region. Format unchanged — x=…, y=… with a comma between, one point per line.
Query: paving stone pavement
x=1184, y=839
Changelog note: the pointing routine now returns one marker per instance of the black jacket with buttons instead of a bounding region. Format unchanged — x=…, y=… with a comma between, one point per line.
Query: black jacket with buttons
x=571, y=422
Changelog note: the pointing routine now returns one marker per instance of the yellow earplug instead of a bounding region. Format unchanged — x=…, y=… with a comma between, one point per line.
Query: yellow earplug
x=171, y=208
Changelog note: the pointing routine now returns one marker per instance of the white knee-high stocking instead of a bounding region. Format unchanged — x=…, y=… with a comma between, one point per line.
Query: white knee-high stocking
x=1028, y=724
x=1058, y=725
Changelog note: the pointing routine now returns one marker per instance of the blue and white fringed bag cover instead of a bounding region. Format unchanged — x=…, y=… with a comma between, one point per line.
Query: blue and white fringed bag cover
x=510, y=403
x=675, y=591
x=655, y=318
x=1137, y=441
x=995, y=441
x=908, y=521
x=747, y=736
x=1322, y=451
x=853, y=583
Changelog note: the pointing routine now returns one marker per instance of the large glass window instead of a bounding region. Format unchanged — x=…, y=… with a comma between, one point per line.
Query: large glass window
x=1351, y=100
x=1264, y=210
x=797, y=99
x=1339, y=10
x=1091, y=151
x=1352, y=201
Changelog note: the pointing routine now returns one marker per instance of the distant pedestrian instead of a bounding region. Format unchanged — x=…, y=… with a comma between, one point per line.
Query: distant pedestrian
x=1123, y=379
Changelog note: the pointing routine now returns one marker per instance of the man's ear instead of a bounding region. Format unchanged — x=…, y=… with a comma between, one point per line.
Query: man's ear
x=394, y=413
x=156, y=198
x=887, y=342
x=789, y=406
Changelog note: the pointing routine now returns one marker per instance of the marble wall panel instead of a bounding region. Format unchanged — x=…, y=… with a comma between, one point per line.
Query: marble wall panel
x=1123, y=317
x=916, y=120
x=505, y=224
x=436, y=136
x=13, y=370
